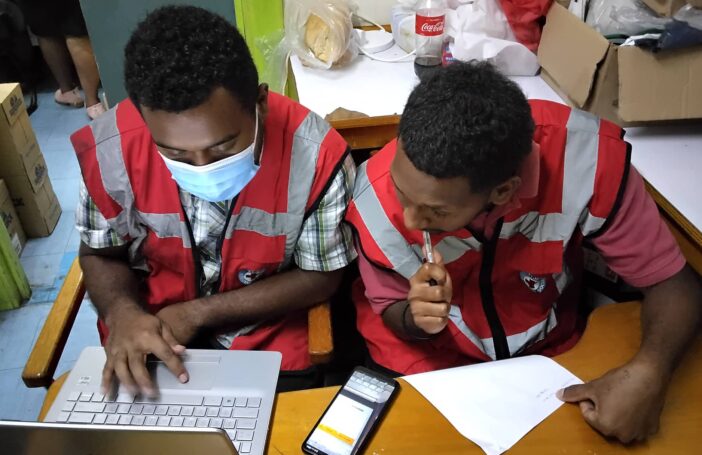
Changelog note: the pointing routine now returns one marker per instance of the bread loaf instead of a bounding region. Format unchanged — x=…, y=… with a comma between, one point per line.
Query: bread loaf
x=328, y=38
x=317, y=37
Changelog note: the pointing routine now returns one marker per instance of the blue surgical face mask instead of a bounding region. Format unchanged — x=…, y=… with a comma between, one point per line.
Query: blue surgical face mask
x=218, y=181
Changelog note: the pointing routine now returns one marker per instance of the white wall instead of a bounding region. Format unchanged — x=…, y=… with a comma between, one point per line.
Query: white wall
x=377, y=10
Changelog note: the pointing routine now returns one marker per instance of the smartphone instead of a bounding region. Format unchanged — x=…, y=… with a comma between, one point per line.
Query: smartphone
x=352, y=415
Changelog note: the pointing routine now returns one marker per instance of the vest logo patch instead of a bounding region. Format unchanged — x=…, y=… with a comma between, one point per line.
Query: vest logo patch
x=534, y=283
x=246, y=277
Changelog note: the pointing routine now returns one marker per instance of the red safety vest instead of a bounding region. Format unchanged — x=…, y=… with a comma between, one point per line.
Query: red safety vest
x=516, y=292
x=133, y=189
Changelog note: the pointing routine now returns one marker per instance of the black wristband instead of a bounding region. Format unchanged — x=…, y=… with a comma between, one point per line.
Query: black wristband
x=410, y=332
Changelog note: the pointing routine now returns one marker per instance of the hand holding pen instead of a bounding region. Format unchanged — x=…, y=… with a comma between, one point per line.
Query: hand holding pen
x=431, y=290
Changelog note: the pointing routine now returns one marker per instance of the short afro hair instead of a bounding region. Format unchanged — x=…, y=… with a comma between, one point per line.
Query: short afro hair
x=178, y=55
x=467, y=120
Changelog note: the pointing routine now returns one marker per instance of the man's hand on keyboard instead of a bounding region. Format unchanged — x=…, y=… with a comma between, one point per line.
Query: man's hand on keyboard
x=133, y=335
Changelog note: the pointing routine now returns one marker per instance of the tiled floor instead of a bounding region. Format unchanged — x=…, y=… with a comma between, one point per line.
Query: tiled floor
x=46, y=262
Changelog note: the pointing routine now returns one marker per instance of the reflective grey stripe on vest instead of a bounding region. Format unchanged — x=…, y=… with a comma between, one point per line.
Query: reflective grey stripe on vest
x=164, y=225
x=261, y=222
x=108, y=150
x=305, y=153
x=390, y=241
x=451, y=248
x=129, y=222
x=580, y=166
x=517, y=342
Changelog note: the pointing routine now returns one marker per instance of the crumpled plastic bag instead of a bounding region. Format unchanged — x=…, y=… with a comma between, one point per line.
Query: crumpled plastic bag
x=526, y=19
x=691, y=15
x=320, y=32
x=480, y=31
x=623, y=17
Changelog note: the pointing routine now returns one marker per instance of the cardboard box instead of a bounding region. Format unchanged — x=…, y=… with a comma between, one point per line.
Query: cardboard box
x=38, y=209
x=9, y=217
x=23, y=168
x=626, y=85
x=665, y=7
x=16, y=133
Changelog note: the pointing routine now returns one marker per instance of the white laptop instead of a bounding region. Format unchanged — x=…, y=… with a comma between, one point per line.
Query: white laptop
x=37, y=438
x=229, y=393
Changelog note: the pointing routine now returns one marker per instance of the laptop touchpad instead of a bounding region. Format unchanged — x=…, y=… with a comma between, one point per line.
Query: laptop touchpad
x=202, y=370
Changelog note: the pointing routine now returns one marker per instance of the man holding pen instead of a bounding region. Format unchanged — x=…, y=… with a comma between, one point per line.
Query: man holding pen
x=508, y=192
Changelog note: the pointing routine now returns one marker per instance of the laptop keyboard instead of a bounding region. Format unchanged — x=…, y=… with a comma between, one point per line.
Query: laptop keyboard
x=235, y=415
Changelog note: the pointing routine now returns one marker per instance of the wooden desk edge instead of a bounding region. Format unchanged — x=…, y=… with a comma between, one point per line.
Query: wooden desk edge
x=365, y=122
x=687, y=227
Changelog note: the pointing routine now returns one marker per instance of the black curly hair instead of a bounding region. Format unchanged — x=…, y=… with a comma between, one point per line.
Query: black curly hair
x=467, y=120
x=178, y=55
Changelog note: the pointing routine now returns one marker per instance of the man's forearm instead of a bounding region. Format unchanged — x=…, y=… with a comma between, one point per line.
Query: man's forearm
x=271, y=297
x=670, y=318
x=109, y=280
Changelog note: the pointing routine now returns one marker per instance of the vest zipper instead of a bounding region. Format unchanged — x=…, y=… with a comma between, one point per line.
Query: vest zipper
x=487, y=297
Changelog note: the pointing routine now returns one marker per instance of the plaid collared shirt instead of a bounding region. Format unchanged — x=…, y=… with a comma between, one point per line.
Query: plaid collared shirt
x=325, y=243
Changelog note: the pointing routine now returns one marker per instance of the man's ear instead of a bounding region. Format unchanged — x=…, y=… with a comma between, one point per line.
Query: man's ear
x=262, y=100
x=503, y=193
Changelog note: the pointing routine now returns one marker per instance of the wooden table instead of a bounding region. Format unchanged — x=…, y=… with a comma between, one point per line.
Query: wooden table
x=367, y=132
x=413, y=425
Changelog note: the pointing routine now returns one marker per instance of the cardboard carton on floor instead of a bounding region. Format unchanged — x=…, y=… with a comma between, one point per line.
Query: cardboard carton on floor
x=36, y=203
x=23, y=168
x=9, y=217
x=624, y=84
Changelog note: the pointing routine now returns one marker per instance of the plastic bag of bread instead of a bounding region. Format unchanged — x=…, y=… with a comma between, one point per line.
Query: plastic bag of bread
x=320, y=32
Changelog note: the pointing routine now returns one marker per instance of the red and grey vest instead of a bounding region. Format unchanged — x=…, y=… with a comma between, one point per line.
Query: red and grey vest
x=133, y=189
x=516, y=292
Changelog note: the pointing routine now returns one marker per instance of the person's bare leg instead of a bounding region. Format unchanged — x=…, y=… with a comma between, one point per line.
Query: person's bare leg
x=83, y=58
x=56, y=55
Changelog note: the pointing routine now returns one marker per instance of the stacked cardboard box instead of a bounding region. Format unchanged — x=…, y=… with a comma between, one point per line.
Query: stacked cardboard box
x=9, y=218
x=23, y=168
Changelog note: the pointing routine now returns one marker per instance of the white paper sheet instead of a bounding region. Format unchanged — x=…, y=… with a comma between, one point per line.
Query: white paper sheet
x=495, y=404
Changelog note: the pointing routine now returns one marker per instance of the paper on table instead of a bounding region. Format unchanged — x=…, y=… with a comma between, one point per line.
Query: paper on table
x=495, y=404
x=364, y=85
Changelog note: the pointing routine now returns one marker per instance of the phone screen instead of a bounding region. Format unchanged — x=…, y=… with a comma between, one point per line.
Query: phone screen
x=350, y=417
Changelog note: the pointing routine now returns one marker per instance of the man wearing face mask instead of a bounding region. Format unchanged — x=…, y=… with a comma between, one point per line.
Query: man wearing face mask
x=509, y=190
x=211, y=208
